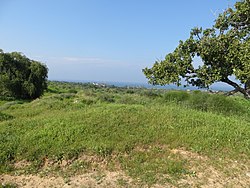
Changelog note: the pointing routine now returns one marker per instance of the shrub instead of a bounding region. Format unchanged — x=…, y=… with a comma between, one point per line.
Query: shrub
x=21, y=77
x=176, y=96
x=215, y=103
x=4, y=117
x=198, y=101
x=106, y=98
x=150, y=93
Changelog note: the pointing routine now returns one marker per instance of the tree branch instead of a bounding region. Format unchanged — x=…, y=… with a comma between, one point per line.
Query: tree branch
x=247, y=85
x=236, y=86
x=231, y=92
x=230, y=82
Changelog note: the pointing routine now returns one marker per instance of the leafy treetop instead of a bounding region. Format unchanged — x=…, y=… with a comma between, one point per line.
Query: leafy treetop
x=21, y=77
x=224, y=50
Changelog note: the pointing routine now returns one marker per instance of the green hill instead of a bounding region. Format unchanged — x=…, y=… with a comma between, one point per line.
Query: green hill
x=152, y=137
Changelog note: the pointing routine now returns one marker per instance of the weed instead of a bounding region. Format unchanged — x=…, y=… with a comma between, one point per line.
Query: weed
x=176, y=96
x=122, y=182
x=103, y=151
x=8, y=185
x=106, y=98
x=4, y=117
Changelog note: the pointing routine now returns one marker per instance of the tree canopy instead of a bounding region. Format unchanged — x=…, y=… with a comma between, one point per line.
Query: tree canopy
x=21, y=77
x=224, y=50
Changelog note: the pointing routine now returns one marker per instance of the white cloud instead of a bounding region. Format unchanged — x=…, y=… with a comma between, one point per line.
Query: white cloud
x=82, y=59
x=75, y=60
x=90, y=61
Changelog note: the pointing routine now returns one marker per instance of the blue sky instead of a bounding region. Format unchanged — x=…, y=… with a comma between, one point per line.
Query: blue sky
x=101, y=40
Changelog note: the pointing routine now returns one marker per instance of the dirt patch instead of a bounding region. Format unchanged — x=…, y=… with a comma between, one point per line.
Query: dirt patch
x=22, y=164
x=189, y=155
x=211, y=177
x=32, y=181
x=207, y=173
x=96, y=179
x=201, y=172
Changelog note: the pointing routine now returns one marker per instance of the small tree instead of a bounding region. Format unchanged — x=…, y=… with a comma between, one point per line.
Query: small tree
x=21, y=77
x=224, y=50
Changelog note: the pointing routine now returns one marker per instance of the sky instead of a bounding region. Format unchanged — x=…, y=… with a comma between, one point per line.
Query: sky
x=101, y=40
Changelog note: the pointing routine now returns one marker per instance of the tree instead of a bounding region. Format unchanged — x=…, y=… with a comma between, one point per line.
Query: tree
x=21, y=77
x=224, y=50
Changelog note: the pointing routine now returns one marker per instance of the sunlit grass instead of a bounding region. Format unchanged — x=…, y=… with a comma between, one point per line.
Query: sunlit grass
x=114, y=122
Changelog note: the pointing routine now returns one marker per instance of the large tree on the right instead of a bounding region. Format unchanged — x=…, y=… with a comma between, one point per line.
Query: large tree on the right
x=224, y=50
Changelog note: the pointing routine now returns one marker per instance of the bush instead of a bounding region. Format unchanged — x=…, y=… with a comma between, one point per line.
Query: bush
x=215, y=103
x=198, y=101
x=150, y=93
x=4, y=117
x=106, y=98
x=176, y=96
x=21, y=77
x=72, y=91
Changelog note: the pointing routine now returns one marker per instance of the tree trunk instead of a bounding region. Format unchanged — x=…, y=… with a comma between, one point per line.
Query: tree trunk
x=245, y=91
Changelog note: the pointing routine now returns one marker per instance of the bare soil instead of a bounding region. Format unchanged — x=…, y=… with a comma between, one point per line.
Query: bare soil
x=205, y=174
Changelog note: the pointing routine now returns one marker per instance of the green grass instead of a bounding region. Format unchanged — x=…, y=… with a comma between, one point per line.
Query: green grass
x=72, y=120
x=9, y=185
x=153, y=165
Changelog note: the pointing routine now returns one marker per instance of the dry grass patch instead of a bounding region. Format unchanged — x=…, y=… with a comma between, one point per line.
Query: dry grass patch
x=97, y=171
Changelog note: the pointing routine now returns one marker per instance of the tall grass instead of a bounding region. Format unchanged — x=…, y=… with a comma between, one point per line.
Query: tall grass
x=215, y=103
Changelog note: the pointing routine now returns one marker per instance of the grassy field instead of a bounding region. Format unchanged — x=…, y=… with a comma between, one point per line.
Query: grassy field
x=152, y=137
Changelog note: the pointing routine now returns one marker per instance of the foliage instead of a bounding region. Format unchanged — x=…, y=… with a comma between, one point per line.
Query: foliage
x=21, y=77
x=224, y=50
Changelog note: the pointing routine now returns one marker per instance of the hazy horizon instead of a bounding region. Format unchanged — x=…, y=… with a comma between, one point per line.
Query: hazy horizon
x=216, y=86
